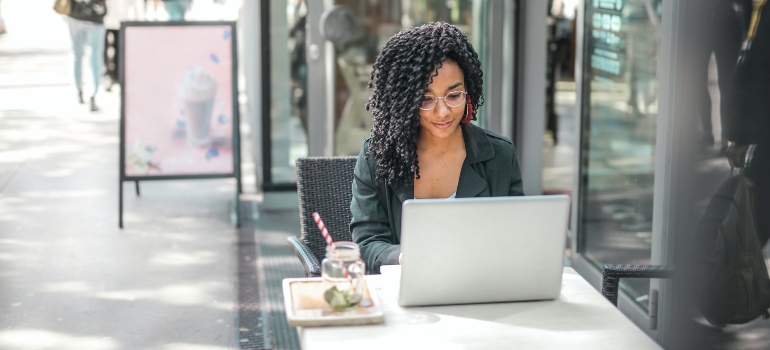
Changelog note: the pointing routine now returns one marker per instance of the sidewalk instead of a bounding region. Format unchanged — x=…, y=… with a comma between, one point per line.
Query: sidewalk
x=70, y=279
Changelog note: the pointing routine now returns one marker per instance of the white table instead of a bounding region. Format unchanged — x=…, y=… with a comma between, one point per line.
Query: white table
x=581, y=318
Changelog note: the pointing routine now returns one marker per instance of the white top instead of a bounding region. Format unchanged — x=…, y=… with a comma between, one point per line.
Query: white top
x=581, y=318
x=450, y=197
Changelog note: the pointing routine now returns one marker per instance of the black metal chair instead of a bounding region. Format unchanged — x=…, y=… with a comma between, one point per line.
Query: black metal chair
x=612, y=274
x=324, y=185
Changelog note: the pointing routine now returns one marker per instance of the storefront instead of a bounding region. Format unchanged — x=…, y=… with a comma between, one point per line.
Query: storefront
x=626, y=104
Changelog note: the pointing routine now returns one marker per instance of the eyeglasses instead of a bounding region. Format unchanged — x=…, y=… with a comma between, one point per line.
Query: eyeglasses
x=452, y=99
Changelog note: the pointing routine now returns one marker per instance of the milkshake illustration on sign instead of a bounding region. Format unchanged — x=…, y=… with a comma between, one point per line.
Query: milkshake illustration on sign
x=198, y=91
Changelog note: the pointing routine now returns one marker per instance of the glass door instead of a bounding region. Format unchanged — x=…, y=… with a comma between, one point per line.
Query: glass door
x=619, y=114
x=284, y=91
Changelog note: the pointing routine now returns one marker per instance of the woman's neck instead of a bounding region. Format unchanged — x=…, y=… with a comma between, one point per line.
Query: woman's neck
x=428, y=143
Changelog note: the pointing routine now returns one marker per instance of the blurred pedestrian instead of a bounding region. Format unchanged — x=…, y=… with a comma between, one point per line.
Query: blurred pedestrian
x=176, y=8
x=86, y=26
x=736, y=286
x=2, y=23
x=723, y=24
x=749, y=120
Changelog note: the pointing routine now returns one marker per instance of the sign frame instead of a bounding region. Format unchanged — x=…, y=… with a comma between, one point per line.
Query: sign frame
x=236, y=142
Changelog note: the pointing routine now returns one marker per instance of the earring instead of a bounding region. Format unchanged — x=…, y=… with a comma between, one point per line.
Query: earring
x=469, y=110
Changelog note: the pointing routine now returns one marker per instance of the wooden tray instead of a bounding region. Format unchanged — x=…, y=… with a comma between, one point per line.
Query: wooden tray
x=305, y=306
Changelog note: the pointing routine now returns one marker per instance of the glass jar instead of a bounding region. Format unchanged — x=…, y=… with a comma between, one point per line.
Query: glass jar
x=343, y=276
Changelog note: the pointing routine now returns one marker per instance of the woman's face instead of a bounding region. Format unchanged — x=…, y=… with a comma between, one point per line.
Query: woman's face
x=443, y=120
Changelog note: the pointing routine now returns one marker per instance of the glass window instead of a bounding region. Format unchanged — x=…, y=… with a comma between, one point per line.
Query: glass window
x=620, y=108
x=378, y=21
x=288, y=94
x=561, y=99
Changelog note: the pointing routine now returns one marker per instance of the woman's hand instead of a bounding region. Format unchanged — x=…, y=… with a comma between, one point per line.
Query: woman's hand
x=736, y=154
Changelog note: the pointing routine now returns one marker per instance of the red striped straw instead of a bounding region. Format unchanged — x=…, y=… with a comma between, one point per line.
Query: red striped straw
x=327, y=236
x=324, y=231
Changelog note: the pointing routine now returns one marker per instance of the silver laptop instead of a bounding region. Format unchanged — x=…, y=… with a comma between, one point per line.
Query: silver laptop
x=482, y=250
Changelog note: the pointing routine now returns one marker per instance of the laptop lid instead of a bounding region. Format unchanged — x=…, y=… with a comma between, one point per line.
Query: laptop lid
x=482, y=249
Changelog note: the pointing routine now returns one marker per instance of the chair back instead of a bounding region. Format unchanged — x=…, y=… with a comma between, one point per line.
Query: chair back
x=324, y=185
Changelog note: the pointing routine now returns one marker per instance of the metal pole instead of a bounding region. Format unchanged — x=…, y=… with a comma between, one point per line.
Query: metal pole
x=120, y=203
x=316, y=81
x=237, y=205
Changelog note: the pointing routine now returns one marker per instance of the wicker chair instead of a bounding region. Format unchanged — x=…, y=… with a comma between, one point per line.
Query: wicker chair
x=324, y=185
x=613, y=273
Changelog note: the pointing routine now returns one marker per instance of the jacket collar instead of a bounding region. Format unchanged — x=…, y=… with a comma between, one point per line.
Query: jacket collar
x=477, y=149
x=477, y=145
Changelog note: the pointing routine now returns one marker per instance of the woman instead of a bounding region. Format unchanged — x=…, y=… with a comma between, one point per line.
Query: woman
x=426, y=88
x=86, y=26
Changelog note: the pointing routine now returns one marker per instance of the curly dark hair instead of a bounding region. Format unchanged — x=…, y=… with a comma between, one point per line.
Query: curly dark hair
x=400, y=77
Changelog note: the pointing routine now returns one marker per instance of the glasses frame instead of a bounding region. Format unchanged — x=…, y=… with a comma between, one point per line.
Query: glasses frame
x=436, y=98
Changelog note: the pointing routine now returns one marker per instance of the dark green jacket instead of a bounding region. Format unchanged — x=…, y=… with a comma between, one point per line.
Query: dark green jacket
x=490, y=169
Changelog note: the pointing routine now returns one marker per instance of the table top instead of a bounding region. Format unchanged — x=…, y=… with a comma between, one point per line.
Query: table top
x=581, y=318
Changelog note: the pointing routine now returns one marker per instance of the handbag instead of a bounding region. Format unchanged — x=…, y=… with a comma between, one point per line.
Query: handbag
x=732, y=282
x=62, y=7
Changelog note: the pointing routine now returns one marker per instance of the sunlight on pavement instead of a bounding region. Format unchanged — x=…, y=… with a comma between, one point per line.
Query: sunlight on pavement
x=58, y=173
x=67, y=287
x=18, y=258
x=200, y=294
x=65, y=194
x=185, y=346
x=35, y=339
x=185, y=258
x=20, y=243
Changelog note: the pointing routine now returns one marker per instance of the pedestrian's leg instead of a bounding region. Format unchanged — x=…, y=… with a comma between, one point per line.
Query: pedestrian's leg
x=2, y=23
x=96, y=42
x=175, y=10
x=106, y=58
x=700, y=62
x=78, y=37
x=185, y=4
x=727, y=47
x=703, y=109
